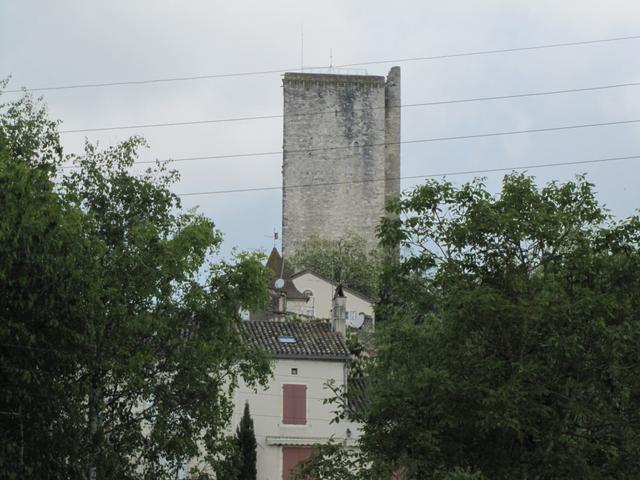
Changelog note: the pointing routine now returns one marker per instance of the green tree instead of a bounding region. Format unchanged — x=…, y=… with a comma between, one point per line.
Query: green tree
x=511, y=342
x=333, y=461
x=41, y=255
x=118, y=342
x=348, y=261
x=246, y=440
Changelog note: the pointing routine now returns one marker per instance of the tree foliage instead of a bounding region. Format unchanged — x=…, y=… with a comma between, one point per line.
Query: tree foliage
x=333, y=461
x=512, y=348
x=348, y=261
x=118, y=346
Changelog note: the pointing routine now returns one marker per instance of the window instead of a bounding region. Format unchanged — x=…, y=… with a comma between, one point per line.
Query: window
x=308, y=309
x=294, y=404
x=286, y=339
x=291, y=456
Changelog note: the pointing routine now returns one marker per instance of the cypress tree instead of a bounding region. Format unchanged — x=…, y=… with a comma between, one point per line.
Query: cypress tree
x=246, y=439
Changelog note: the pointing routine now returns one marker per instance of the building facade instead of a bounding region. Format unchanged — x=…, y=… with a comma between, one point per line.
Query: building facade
x=319, y=292
x=341, y=159
x=309, y=295
x=290, y=416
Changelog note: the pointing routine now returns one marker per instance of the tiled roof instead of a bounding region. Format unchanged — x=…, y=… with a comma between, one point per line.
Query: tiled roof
x=356, y=395
x=280, y=270
x=312, y=340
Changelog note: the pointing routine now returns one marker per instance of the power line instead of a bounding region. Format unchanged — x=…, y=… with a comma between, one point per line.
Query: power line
x=324, y=112
x=68, y=352
x=175, y=124
x=245, y=392
x=15, y=414
x=428, y=175
x=383, y=144
x=491, y=52
x=356, y=64
x=34, y=395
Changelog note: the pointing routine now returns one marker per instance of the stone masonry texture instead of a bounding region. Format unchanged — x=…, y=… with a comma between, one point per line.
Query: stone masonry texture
x=341, y=135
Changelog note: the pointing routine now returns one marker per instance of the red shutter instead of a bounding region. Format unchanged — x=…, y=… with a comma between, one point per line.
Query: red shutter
x=301, y=404
x=291, y=456
x=294, y=404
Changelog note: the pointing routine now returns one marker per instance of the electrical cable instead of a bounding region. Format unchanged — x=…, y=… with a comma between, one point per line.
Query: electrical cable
x=325, y=112
x=429, y=175
x=385, y=144
x=354, y=64
x=408, y=177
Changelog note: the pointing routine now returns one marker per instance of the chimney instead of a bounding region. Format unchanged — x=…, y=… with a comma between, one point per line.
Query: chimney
x=339, y=321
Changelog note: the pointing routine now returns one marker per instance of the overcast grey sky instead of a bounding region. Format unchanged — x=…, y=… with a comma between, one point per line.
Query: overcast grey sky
x=45, y=43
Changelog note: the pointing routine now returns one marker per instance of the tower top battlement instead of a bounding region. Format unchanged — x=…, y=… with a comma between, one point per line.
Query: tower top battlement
x=292, y=78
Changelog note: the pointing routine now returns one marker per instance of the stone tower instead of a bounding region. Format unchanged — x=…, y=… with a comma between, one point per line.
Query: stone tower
x=341, y=160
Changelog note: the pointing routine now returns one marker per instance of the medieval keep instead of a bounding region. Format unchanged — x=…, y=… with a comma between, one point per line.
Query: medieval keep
x=341, y=159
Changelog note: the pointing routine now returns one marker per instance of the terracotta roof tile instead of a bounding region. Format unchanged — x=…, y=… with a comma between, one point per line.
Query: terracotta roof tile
x=357, y=394
x=311, y=340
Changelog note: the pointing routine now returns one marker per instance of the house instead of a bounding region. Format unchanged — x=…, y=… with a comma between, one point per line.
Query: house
x=290, y=416
x=319, y=292
x=304, y=329
x=310, y=295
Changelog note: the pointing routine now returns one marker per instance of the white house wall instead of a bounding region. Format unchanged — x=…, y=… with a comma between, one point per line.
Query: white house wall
x=296, y=306
x=267, y=409
x=323, y=296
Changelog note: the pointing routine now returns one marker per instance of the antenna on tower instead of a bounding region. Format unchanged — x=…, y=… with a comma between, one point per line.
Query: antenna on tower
x=302, y=47
x=274, y=237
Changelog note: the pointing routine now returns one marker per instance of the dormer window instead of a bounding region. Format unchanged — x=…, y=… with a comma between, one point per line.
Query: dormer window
x=286, y=339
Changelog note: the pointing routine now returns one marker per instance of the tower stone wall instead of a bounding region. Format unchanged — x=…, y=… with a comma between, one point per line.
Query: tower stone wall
x=341, y=160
